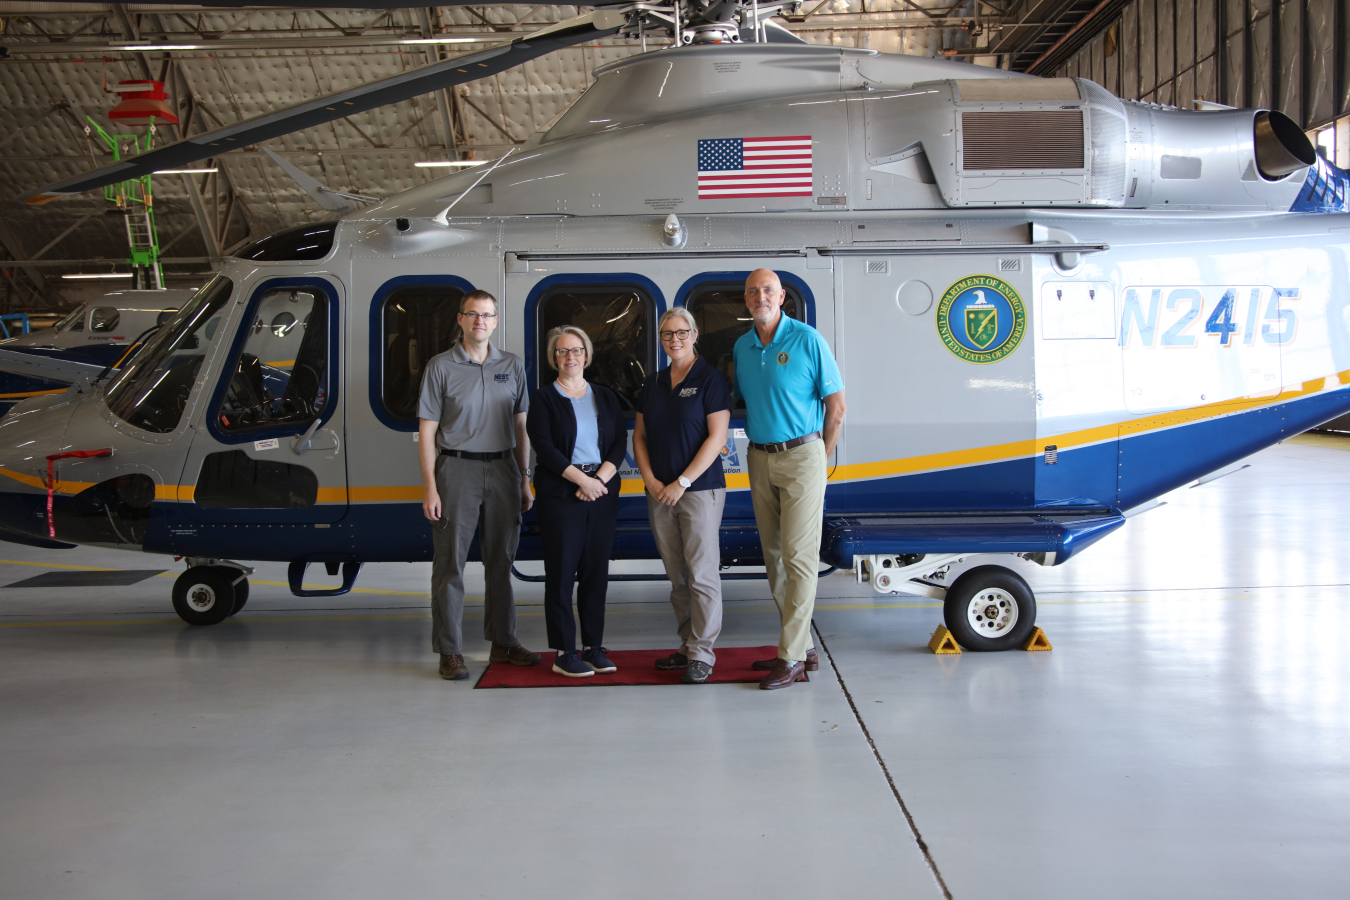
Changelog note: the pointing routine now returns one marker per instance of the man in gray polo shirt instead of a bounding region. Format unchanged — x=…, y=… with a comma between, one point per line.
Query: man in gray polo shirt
x=475, y=457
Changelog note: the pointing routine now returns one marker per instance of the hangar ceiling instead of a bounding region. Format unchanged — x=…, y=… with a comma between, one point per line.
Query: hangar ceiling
x=224, y=65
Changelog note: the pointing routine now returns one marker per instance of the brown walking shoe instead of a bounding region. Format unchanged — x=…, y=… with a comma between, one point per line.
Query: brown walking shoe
x=765, y=665
x=453, y=668
x=516, y=656
x=783, y=675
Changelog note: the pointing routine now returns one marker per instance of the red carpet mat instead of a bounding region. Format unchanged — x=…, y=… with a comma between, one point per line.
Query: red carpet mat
x=635, y=667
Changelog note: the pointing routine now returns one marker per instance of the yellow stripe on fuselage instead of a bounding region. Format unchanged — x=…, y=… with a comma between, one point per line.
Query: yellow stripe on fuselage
x=184, y=493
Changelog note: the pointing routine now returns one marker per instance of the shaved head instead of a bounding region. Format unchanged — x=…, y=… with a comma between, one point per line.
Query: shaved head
x=764, y=298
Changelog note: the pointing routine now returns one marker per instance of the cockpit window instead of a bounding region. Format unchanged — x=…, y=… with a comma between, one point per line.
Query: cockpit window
x=621, y=322
x=152, y=391
x=72, y=316
x=281, y=377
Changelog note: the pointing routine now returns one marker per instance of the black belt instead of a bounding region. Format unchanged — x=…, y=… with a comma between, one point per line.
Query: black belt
x=589, y=468
x=786, y=445
x=482, y=457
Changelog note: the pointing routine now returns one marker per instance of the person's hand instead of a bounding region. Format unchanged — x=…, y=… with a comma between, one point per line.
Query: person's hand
x=591, y=489
x=431, y=504
x=526, y=495
x=671, y=494
x=653, y=487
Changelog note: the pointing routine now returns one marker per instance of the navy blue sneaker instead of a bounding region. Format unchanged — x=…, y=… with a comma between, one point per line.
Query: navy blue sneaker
x=595, y=658
x=570, y=665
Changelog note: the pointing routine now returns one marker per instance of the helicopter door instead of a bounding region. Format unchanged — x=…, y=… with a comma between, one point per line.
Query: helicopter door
x=933, y=423
x=270, y=448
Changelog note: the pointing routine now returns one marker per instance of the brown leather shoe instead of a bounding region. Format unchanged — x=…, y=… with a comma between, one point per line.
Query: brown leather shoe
x=783, y=675
x=765, y=665
x=516, y=656
x=453, y=668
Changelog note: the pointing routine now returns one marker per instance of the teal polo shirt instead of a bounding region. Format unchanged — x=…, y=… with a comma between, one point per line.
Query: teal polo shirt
x=784, y=383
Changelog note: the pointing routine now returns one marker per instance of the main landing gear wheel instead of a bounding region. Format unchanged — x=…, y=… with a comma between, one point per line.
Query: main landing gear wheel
x=990, y=608
x=205, y=595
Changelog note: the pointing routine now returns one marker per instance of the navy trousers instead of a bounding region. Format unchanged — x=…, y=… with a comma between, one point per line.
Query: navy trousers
x=578, y=537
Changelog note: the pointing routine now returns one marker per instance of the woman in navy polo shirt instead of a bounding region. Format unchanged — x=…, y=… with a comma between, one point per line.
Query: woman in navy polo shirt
x=683, y=413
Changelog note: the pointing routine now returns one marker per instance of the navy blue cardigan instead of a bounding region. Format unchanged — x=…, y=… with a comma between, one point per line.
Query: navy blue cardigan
x=552, y=427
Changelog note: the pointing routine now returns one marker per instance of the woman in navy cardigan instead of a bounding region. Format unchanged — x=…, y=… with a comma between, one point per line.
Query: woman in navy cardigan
x=579, y=436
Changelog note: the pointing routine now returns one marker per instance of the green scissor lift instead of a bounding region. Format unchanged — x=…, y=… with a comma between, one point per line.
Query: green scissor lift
x=136, y=202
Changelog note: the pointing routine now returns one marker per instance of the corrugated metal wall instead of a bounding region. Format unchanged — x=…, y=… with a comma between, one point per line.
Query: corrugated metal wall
x=1289, y=56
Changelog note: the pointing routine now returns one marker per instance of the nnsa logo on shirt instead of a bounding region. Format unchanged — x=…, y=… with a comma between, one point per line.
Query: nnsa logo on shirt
x=502, y=379
x=688, y=392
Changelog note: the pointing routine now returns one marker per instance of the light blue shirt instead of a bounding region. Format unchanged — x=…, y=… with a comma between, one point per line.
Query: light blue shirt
x=586, y=451
x=784, y=383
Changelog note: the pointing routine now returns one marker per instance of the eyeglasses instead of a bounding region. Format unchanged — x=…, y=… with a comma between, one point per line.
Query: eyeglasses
x=755, y=292
x=477, y=315
x=564, y=352
x=682, y=334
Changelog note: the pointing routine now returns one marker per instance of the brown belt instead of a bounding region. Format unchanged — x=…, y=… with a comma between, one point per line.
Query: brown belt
x=786, y=445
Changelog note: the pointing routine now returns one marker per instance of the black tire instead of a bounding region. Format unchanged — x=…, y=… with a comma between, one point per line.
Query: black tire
x=240, y=591
x=204, y=595
x=969, y=600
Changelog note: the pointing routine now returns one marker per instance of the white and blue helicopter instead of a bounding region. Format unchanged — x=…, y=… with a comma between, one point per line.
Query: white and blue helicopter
x=86, y=343
x=1050, y=306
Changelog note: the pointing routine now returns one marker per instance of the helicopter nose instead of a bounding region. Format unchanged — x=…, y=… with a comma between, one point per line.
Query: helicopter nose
x=29, y=433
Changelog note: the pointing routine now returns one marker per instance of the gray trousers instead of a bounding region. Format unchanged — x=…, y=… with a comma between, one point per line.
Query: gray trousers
x=484, y=497
x=687, y=537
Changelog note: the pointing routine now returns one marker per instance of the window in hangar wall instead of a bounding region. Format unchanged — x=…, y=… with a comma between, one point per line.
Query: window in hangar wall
x=420, y=321
x=719, y=311
x=621, y=322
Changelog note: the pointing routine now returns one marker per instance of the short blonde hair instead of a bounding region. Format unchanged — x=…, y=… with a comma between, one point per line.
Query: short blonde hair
x=681, y=311
x=576, y=332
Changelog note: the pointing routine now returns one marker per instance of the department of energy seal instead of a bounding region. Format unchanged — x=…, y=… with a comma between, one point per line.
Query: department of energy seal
x=981, y=319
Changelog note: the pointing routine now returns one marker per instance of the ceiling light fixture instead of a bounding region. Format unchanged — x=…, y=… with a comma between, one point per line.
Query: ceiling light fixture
x=444, y=40
x=98, y=275
x=155, y=48
x=187, y=171
x=441, y=163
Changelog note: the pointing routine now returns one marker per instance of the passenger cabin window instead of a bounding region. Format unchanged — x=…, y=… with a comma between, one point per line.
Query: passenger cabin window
x=720, y=313
x=104, y=318
x=419, y=322
x=621, y=322
x=152, y=390
x=281, y=377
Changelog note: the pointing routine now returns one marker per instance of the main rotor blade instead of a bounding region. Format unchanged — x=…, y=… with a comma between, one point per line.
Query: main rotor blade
x=596, y=24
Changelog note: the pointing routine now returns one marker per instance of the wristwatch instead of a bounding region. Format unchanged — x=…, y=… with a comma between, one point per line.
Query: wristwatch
x=685, y=483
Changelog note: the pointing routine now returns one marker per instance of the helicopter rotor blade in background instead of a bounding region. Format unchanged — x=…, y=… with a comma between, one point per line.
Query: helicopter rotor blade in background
x=448, y=73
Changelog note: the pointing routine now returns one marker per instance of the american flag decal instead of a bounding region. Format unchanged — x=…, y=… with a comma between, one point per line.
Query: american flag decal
x=754, y=167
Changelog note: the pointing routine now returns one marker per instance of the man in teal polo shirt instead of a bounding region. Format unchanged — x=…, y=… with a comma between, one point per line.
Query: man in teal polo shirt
x=794, y=411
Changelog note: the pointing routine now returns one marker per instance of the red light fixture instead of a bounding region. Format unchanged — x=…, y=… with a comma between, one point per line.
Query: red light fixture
x=142, y=101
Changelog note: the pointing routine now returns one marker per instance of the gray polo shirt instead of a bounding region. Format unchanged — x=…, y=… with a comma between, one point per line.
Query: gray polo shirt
x=475, y=404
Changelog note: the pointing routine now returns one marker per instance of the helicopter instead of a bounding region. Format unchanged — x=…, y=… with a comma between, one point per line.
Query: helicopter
x=1050, y=306
x=86, y=342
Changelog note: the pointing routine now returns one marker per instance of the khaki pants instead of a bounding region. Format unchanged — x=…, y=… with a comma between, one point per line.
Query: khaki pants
x=687, y=536
x=788, y=492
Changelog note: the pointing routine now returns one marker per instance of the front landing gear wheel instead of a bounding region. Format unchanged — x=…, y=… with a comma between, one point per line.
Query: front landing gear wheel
x=205, y=595
x=990, y=608
x=240, y=591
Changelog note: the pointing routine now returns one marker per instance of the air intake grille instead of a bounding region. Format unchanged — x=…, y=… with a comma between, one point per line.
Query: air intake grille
x=1108, y=157
x=1035, y=139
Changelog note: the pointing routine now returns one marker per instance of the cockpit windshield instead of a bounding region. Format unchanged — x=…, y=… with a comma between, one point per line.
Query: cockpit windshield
x=152, y=391
x=74, y=314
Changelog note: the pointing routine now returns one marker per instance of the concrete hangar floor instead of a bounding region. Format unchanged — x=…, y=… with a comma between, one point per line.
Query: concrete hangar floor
x=1187, y=737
